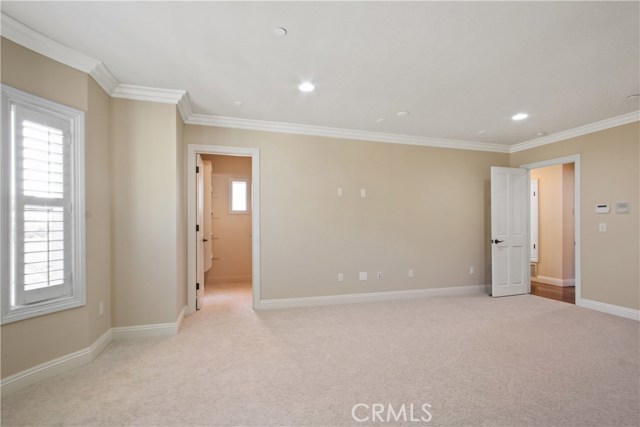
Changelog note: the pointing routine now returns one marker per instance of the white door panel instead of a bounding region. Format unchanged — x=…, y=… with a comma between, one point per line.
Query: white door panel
x=533, y=244
x=509, y=227
x=199, y=233
x=207, y=192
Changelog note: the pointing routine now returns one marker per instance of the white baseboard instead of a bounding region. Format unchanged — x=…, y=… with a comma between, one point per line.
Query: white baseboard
x=373, y=296
x=82, y=357
x=616, y=310
x=554, y=281
x=153, y=330
x=54, y=367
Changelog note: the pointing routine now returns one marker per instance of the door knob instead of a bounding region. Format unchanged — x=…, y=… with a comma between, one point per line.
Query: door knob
x=204, y=240
x=496, y=241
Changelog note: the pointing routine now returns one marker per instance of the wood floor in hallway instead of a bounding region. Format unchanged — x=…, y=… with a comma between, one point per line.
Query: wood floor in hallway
x=558, y=293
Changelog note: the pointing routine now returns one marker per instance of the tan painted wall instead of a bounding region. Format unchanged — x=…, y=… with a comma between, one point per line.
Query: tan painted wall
x=33, y=341
x=145, y=212
x=98, y=205
x=549, y=220
x=231, y=232
x=181, y=226
x=609, y=173
x=423, y=210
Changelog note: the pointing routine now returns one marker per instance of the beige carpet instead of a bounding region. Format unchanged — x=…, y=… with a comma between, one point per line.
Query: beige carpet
x=514, y=361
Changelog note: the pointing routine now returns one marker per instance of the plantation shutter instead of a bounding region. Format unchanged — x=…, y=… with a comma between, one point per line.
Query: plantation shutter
x=42, y=223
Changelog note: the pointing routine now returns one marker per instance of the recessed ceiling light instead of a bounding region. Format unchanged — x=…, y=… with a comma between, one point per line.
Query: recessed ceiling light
x=238, y=103
x=403, y=113
x=541, y=134
x=280, y=32
x=306, y=87
x=380, y=120
x=634, y=96
x=519, y=116
x=482, y=132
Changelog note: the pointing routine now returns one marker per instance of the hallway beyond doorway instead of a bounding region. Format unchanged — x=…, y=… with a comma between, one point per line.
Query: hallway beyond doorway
x=231, y=296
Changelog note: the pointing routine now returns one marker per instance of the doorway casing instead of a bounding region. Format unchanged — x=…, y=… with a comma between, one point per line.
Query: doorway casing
x=575, y=159
x=254, y=153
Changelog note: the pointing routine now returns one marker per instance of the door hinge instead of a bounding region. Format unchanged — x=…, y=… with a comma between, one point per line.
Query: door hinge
x=197, y=169
x=197, y=227
x=197, y=286
x=534, y=246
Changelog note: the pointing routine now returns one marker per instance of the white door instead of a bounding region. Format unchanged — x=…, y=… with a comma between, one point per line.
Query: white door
x=199, y=232
x=208, y=233
x=533, y=235
x=509, y=248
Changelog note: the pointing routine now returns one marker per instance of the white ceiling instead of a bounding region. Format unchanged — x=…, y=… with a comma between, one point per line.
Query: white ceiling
x=457, y=67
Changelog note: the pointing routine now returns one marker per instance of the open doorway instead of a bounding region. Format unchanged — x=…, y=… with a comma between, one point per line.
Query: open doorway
x=552, y=232
x=227, y=211
x=224, y=251
x=554, y=229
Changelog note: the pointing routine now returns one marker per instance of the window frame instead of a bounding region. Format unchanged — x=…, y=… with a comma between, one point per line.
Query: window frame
x=75, y=121
x=246, y=180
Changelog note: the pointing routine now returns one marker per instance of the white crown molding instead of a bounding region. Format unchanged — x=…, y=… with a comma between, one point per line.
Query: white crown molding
x=184, y=106
x=31, y=39
x=143, y=93
x=104, y=78
x=18, y=32
x=268, y=126
x=624, y=119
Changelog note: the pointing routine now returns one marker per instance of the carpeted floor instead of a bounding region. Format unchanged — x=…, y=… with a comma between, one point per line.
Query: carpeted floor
x=477, y=361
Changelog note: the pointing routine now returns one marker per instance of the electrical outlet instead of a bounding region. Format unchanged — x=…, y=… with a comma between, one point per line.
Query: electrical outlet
x=411, y=273
x=339, y=192
x=363, y=192
x=340, y=277
x=379, y=274
x=472, y=270
x=101, y=308
x=363, y=275
x=603, y=226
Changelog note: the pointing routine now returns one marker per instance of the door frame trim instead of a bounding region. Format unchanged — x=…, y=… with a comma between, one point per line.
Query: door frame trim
x=254, y=154
x=575, y=159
